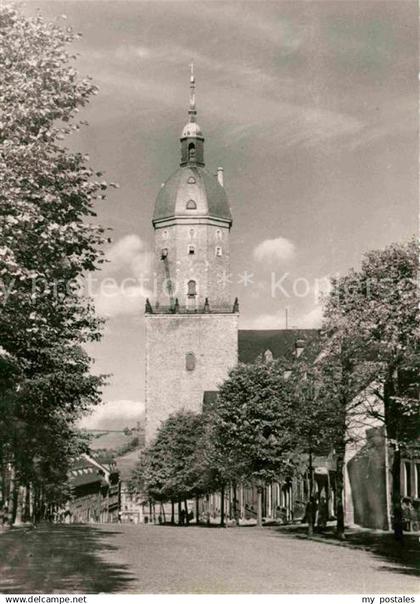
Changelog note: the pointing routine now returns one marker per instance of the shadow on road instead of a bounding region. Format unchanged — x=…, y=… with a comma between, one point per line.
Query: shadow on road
x=59, y=559
x=401, y=558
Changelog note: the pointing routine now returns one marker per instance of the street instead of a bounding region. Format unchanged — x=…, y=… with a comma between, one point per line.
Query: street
x=162, y=559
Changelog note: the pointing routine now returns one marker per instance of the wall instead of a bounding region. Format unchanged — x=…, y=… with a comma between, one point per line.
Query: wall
x=204, y=266
x=212, y=338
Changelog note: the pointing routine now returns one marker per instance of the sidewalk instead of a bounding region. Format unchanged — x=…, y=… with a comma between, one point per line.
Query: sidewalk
x=380, y=543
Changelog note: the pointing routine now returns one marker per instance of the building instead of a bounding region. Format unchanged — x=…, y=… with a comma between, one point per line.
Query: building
x=192, y=322
x=193, y=340
x=95, y=492
x=133, y=508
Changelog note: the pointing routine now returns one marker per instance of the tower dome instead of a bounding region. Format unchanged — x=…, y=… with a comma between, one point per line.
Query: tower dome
x=192, y=192
x=192, y=129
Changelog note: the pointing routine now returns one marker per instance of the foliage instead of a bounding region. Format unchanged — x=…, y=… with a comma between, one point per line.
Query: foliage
x=168, y=469
x=374, y=313
x=48, y=241
x=252, y=421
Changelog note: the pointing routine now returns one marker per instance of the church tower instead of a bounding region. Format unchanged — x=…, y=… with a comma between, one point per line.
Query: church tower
x=192, y=322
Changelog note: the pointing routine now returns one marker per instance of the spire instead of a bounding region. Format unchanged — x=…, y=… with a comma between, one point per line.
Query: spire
x=192, y=112
x=192, y=152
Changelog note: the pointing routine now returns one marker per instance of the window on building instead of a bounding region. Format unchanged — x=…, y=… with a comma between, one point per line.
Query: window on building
x=192, y=288
x=191, y=151
x=407, y=479
x=218, y=251
x=189, y=361
x=191, y=250
x=191, y=205
x=192, y=233
x=164, y=253
x=191, y=180
x=218, y=235
x=165, y=234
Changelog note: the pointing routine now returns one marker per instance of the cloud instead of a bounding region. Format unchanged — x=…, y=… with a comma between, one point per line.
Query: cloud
x=125, y=278
x=129, y=252
x=114, y=415
x=272, y=250
x=125, y=298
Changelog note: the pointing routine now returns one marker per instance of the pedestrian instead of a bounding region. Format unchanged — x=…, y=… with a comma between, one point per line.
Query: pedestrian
x=322, y=514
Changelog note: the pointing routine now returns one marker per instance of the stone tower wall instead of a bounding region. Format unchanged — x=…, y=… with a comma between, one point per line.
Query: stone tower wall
x=205, y=266
x=170, y=385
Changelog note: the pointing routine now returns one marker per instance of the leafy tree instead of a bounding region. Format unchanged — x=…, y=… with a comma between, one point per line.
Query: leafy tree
x=48, y=241
x=168, y=469
x=374, y=314
x=252, y=420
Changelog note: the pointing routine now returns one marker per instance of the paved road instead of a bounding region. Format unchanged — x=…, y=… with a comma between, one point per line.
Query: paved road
x=153, y=559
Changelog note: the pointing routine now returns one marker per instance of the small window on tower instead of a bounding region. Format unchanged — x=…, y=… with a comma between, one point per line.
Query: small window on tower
x=218, y=235
x=192, y=288
x=218, y=251
x=191, y=180
x=164, y=253
x=189, y=361
x=191, y=205
x=165, y=234
x=191, y=152
x=191, y=250
x=192, y=233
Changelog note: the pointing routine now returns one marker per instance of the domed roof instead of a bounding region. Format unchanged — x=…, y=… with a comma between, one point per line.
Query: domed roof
x=192, y=192
x=191, y=129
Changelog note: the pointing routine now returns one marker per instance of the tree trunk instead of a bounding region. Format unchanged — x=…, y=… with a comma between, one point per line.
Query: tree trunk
x=393, y=432
x=197, y=510
x=28, y=496
x=398, y=523
x=339, y=491
x=208, y=508
x=235, y=504
x=20, y=506
x=222, y=506
x=259, y=506
x=11, y=508
x=310, y=506
x=187, y=519
x=172, y=511
x=179, y=513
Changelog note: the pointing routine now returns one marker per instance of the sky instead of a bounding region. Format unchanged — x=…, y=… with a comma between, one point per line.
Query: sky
x=310, y=107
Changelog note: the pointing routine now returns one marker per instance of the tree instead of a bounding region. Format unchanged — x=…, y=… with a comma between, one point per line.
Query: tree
x=314, y=415
x=252, y=436
x=168, y=469
x=374, y=313
x=48, y=242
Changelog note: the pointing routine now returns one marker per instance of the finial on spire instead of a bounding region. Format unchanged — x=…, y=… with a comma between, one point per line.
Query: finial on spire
x=192, y=110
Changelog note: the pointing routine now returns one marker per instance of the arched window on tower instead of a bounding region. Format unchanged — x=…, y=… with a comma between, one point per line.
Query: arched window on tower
x=191, y=250
x=218, y=235
x=192, y=233
x=191, y=152
x=218, y=251
x=190, y=361
x=192, y=288
x=191, y=205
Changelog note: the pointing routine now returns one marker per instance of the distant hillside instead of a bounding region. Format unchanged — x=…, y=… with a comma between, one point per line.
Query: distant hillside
x=118, y=442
